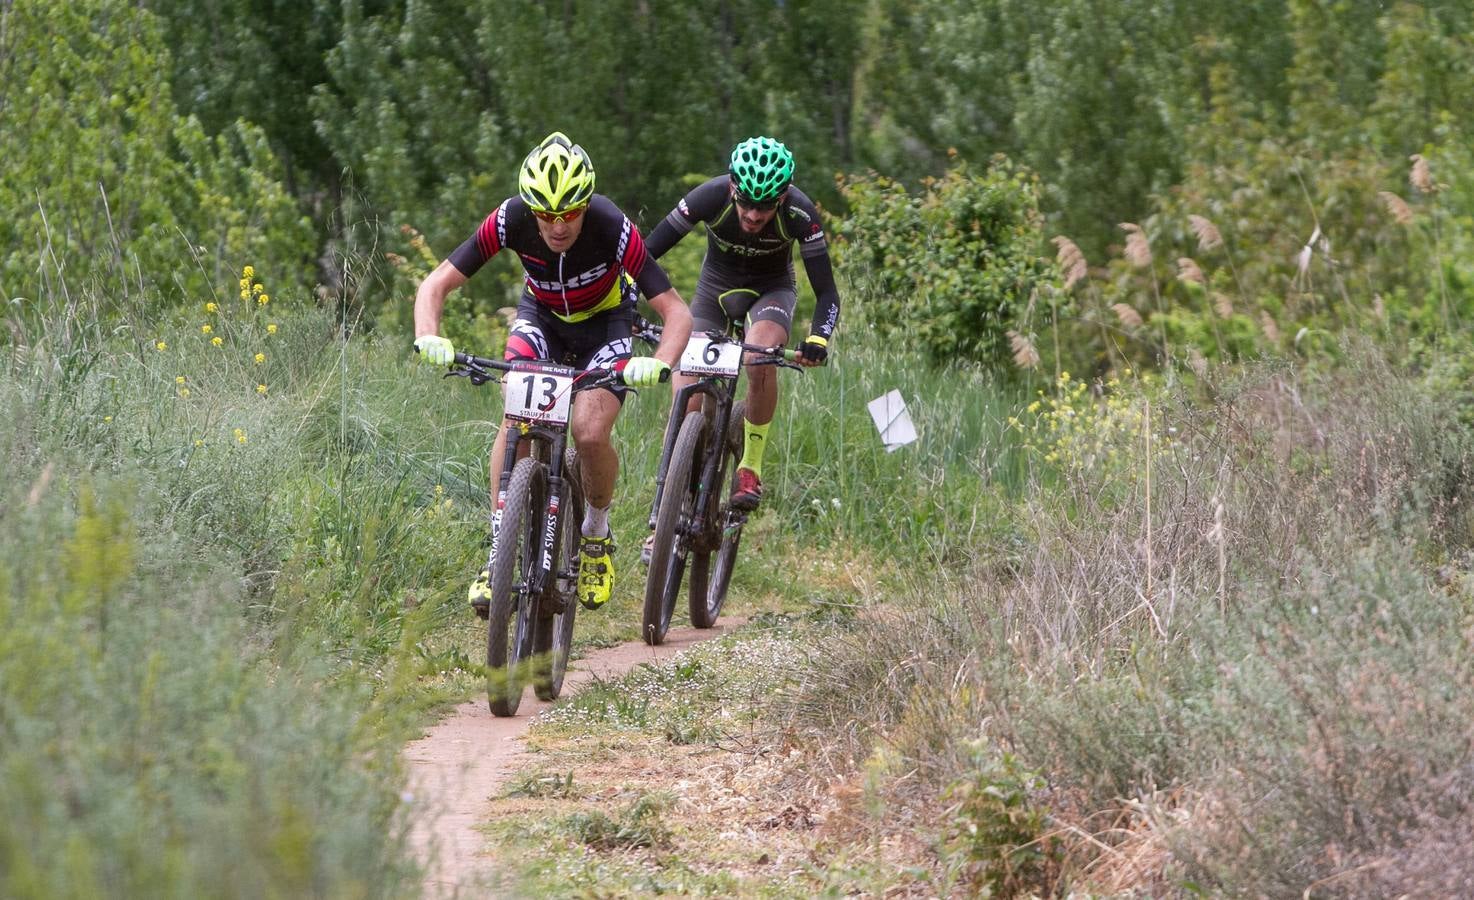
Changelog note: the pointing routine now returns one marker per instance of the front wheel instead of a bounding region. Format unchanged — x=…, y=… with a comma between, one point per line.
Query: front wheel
x=709, y=582
x=514, y=608
x=554, y=631
x=672, y=544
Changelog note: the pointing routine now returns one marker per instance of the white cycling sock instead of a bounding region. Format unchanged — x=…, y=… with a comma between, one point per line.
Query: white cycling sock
x=595, y=521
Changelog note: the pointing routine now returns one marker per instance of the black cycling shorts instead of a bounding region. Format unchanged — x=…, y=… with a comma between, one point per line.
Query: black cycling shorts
x=599, y=341
x=715, y=305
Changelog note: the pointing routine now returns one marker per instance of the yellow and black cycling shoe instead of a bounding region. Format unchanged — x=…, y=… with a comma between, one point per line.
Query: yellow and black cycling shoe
x=479, y=594
x=595, y=571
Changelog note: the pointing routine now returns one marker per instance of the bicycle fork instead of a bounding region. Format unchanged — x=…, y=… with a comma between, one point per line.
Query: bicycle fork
x=550, y=534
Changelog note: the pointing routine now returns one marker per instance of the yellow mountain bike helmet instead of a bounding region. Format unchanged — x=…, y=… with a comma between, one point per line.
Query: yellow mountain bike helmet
x=557, y=176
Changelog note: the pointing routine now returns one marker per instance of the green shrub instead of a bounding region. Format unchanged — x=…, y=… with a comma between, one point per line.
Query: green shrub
x=954, y=268
x=999, y=822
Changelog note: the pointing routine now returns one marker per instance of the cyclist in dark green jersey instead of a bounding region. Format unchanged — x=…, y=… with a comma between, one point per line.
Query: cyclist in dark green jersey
x=753, y=217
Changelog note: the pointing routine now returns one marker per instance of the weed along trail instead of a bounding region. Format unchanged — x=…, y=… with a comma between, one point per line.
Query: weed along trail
x=466, y=757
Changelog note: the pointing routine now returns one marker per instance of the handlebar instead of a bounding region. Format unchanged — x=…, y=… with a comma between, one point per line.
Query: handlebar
x=480, y=370
x=650, y=333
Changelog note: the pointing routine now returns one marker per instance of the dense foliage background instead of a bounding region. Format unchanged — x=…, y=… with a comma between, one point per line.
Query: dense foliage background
x=346, y=145
x=1179, y=294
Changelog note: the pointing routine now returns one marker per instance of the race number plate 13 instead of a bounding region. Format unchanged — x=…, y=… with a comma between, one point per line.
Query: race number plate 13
x=704, y=356
x=537, y=397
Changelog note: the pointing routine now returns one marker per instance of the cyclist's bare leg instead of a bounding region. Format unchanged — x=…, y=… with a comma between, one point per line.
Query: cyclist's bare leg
x=762, y=381
x=592, y=424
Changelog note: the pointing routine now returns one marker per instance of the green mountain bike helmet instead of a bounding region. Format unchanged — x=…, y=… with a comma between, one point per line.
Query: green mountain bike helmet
x=762, y=169
x=557, y=176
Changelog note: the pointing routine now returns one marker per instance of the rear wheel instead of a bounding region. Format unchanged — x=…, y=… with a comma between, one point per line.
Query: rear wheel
x=668, y=555
x=553, y=634
x=513, y=613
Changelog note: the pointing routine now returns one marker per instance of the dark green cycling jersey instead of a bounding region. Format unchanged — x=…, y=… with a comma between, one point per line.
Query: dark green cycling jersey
x=736, y=259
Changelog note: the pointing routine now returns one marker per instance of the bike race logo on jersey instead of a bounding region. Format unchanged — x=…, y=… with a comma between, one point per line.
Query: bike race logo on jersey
x=770, y=246
x=582, y=279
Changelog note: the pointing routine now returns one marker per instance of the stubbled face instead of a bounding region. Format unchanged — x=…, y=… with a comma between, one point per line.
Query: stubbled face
x=754, y=219
x=560, y=235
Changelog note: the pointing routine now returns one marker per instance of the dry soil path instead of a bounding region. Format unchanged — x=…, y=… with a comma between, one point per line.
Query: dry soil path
x=457, y=767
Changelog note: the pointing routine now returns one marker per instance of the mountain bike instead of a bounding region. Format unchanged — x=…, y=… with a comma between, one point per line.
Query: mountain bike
x=690, y=514
x=535, y=527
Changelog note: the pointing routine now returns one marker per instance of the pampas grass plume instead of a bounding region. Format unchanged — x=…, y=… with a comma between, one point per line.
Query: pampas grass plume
x=1207, y=232
x=1421, y=176
x=1128, y=316
x=1024, y=354
x=1396, y=207
x=1138, y=251
x=1071, y=261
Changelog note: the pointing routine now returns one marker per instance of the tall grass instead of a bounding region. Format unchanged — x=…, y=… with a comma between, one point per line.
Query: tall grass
x=1242, y=626
x=221, y=569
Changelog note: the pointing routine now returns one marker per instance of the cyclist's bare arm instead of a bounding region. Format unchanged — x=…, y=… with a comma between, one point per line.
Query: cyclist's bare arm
x=675, y=318
x=430, y=298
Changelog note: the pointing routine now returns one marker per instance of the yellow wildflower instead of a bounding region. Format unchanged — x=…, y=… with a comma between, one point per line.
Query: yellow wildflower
x=216, y=341
x=245, y=293
x=107, y=418
x=261, y=389
x=240, y=435
x=206, y=329
x=271, y=329
x=249, y=272
x=260, y=358
x=263, y=299
x=210, y=307
x=257, y=288
x=184, y=393
x=199, y=442
x=179, y=379
x=161, y=346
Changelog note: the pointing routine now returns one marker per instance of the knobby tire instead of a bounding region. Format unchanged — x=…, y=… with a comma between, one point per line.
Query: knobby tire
x=668, y=556
x=708, y=593
x=513, y=613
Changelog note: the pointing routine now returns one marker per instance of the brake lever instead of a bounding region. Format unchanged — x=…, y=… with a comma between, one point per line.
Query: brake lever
x=478, y=376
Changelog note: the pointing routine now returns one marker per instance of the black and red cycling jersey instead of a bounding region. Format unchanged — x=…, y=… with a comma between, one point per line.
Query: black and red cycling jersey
x=583, y=280
x=738, y=260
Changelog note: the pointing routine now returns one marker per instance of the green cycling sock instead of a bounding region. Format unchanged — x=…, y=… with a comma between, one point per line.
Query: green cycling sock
x=754, y=445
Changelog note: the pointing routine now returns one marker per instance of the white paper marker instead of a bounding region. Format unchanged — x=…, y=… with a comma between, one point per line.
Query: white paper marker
x=892, y=420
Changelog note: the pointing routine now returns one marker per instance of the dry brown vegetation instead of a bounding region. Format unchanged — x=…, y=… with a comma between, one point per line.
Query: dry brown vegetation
x=1229, y=663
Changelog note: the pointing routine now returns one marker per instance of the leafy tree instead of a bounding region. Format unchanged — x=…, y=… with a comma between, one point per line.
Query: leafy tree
x=258, y=60
x=432, y=118
x=101, y=181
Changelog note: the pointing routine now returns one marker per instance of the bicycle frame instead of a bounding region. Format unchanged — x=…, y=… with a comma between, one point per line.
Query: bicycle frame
x=722, y=389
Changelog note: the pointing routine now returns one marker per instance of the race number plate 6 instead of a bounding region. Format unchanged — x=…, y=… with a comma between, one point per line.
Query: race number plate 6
x=537, y=397
x=704, y=356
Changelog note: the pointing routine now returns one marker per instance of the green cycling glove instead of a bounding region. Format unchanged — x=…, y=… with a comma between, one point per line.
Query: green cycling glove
x=644, y=371
x=435, y=350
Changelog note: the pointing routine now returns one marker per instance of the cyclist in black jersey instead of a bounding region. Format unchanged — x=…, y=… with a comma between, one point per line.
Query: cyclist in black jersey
x=753, y=217
x=577, y=309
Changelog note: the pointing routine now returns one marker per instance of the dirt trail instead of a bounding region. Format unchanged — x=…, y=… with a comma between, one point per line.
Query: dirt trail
x=464, y=759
